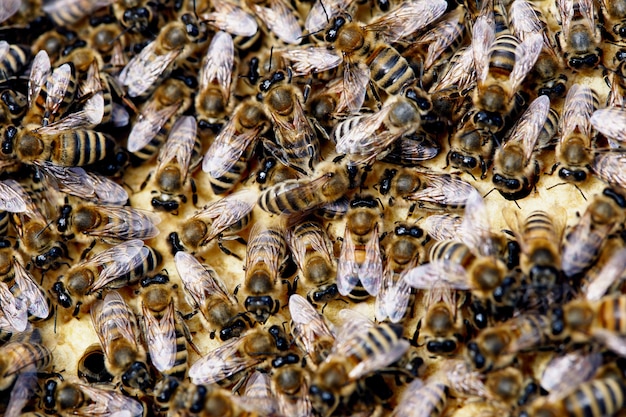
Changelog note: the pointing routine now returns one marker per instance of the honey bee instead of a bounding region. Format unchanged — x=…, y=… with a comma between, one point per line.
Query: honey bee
x=215, y=78
x=604, y=396
x=71, y=398
x=499, y=345
x=614, y=13
x=422, y=399
x=266, y=255
x=37, y=302
x=116, y=327
x=115, y=267
x=12, y=59
x=36, y=237
x=310, y=331
x=227, y=158
x=432, y=191
x=235, y=20
x=502, y=62
x=222, y=219
x=469, y=262
x=402, y=251
x=360, y=265
x=574, y=146
x=234, y=356
x=155, y=61
x=369, y=136
x=471, y=149
x=567, y=371
x=366, y=48
x=109, y=223
x=174, y=164
x=289, y=385
x=442, y=328
x=210, y=296
x=312, y=252
x=22, y=355
x=165, y=334
x=151, y=126
x=583, y=242
x=297, y=196
x=361, y=348
x=13, y=310
x=610, y=122
x=68, y=12
x=580, y=38
x=296, y=144
x=516, y=169
x=540, y=238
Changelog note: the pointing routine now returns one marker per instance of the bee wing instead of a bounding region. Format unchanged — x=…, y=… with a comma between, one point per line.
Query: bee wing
x=14, y=308
x=122, y=264
x=218, y=62
x=611, y=167
x=280, y=20
x=11, y=200
x=524, y=20
x=148, y=124
x=613, y=341
x=380, y=360
x=322, y=12
x=355, y=80
x=406, y=19
x=127, y=223
x=9, y=8
x=610, y=273
x=22, y=391
x=232, y=19
x=475, y=228
x=143, y=70
x=587, y=10
x=307, y=324
x=311, y=60
x=577, y=111
x=31, y=293
x=526, y=130
x=393, y=298
x=483, y=36
x=228, y=211
x=371, y=269
x=347, y=266
x=88, y=117
x=161, y=337
x=56, y=86
x=363, y=137
x=269, y=256
x=226, y=149
x=105, y=402
x=200, y=282
x=221, y=363
x=526, y=55
x=461, y=75
x=38, y=75
x=564, y=373
x=447, y=190
x=611, y=122
x=257, y=396
x=179, y=145
x=566, y=12
x=104, y=321
x=446, y=226
x=436, y=272
x=443, y=35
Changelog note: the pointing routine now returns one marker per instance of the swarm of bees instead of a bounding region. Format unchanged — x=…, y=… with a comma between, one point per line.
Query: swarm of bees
x=409, y=208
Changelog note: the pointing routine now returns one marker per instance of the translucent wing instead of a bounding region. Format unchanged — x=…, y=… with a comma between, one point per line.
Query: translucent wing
x=31, y=293
x=221, y=363
x=179, y=145
x=23, y=390
x=446, y=226
x=311, y=60
x=322, y=12
x=371, y=269
x=393, y=298
x=611, y=167
x=524, y=20
x=611, y=272
x=11, y=200
x=406, y=19
x=347, y=266
x=526, y=55
x=144, y=69
x=232, y=19
x=281, y=20
x=436, y=272
x=307, y=324
x=148, y=124
x=161, y=337
x=444, y=190
x=527, y=128
x=127, y=223
x=119, y=255
x=228, y=211
x=476, y=228
x=217, y=65
x=200, y=282
x=578, y=110
x=111, y=317
x=106, y=402
x=363, y=137
x=563, y=373
x=14, y=308
x=355, y=80
x=483, y=36
x=461, y=73
x=38, y=75
x=9, y=8
x=566, y=12
x=56, y=86
x=611, y=122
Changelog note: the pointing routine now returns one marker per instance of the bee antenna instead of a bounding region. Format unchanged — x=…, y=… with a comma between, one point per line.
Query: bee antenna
x=122, y=33
x=44, y=229
x=271, y=53
x=489, y=192
x=325, y=11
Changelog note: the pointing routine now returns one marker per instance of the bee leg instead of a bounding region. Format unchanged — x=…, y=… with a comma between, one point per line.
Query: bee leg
x=227, y=251
x=87, y=250
x=145, y=182
x=194, y=193
x=187, y=333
